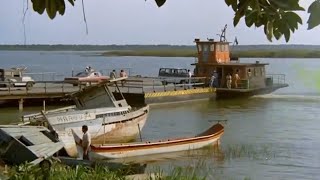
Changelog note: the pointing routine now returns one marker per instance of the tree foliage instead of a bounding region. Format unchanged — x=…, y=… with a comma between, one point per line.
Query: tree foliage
x=277, y=17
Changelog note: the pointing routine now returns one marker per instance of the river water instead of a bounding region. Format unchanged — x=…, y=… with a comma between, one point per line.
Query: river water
x=273, y=136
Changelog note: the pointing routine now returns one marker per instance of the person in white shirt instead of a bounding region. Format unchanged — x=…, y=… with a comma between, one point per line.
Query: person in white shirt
x=113, y=74
x=86, y=142
x=190, y=76
x=229, y=81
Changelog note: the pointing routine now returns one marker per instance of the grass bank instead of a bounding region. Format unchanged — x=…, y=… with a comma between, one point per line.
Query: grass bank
x=288, y=53
x=200, y=168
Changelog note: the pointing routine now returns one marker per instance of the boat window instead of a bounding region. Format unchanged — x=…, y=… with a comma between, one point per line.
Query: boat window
x=249, y=72
x=218, y=48
x=205, y=48
x=262, y=71
x=212, y=47
x=199, y=47
x=222, y=48
x=256, y=71
x=226, y=47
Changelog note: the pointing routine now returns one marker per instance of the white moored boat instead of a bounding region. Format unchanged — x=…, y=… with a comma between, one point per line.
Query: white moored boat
x=108, y=119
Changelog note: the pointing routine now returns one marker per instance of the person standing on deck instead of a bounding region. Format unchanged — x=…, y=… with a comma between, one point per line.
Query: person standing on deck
x=229, y=81
x=216, y=80
x=249, y=78
x=189, y=75
x=86, y=142
x=122, y=74
x=113, y=74
x=212, y=81
x=236, y=78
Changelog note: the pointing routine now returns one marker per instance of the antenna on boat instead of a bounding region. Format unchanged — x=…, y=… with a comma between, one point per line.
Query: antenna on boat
x=223, y=34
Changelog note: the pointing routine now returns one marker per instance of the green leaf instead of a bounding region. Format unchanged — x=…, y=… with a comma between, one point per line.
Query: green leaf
x=287, y=5
x=314, y=18
x=160, y=2
x=61, y=6
x=51, y=8
x=284, y=29
x=232, y=3
x=251, y=17
x=237, y=18
x=276, y=34
x=269, y=28
x=38, y=5
x=71, y=2
x=292, y=19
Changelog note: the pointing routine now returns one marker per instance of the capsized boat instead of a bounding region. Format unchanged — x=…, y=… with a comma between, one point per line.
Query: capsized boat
x=108, y=119
x=113, y=151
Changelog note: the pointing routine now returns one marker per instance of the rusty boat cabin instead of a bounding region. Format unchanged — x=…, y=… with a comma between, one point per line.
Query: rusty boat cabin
x=215, y=57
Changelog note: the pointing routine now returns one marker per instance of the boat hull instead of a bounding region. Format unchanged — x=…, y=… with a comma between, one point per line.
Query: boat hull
x=224, y=93
x=142, y=149
x=123, y=130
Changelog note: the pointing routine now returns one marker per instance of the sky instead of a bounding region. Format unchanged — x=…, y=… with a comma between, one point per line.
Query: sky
x=178, y=22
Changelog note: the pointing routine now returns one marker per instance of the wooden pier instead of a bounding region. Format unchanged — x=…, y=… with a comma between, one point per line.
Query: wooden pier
x=150, y=89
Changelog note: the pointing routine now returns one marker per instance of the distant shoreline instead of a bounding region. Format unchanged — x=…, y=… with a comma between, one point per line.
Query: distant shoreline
x=243, y=51
x=241, y=54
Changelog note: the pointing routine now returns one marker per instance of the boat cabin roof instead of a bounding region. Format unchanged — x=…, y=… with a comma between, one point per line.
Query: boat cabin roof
x=232, y=64
x=98, y=96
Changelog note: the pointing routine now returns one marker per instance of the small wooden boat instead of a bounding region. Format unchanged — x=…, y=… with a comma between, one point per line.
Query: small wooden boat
x=20, y=144
x=210, y=136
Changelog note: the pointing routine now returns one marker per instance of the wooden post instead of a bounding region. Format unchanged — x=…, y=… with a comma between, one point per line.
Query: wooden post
x=104, y=129
x=44, y=105
x=20, y=104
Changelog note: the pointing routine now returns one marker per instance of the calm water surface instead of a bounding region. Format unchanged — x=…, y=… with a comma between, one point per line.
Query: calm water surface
x=273, y=136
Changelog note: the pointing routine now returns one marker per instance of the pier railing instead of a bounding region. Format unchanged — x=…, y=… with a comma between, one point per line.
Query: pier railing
x=137, y=85
x=40, y=87
x=47, y=89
